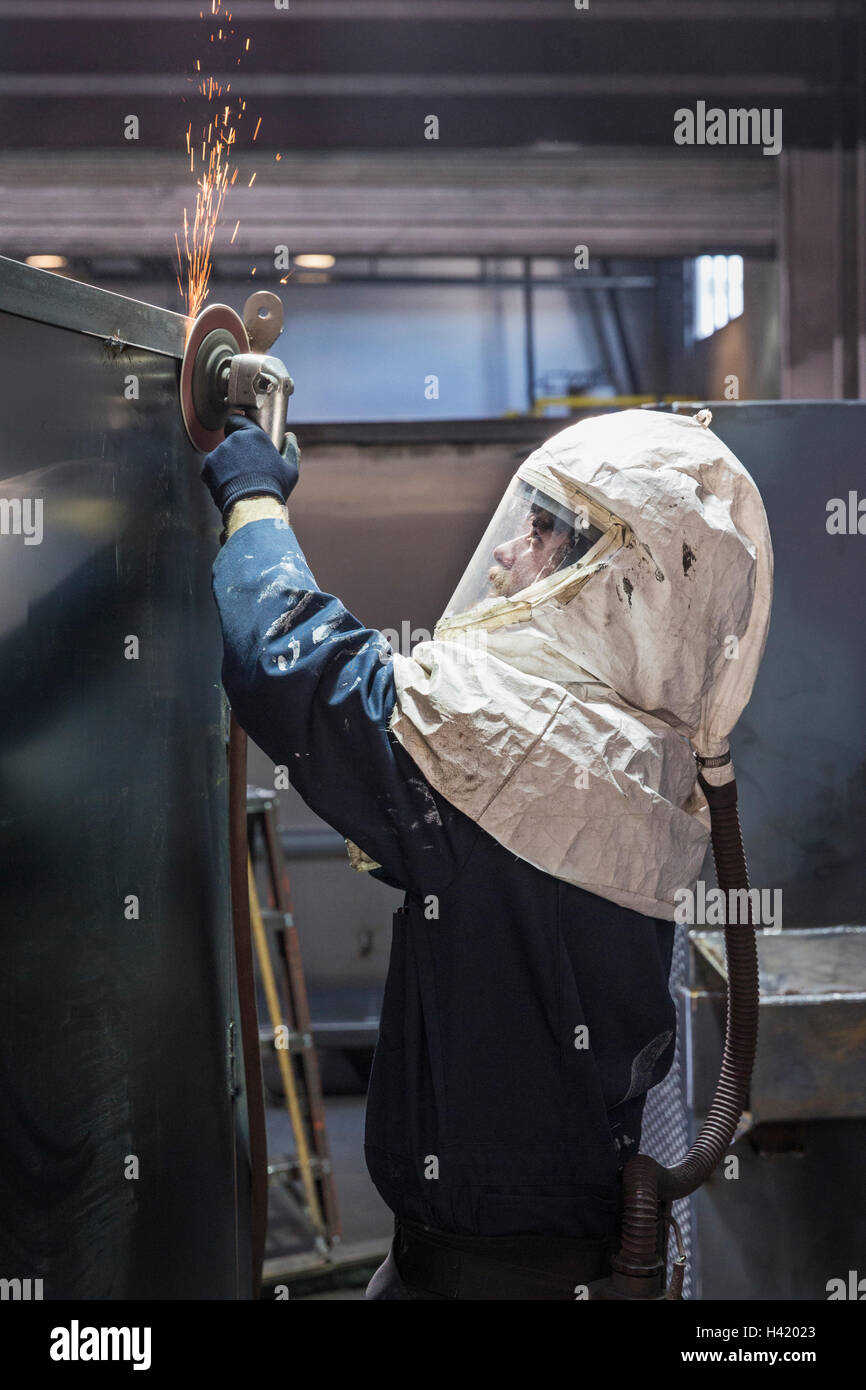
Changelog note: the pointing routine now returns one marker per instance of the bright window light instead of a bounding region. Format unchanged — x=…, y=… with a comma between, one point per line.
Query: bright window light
x=718, y=292
x=314, y=261
x=48, y=262
x=735, y=286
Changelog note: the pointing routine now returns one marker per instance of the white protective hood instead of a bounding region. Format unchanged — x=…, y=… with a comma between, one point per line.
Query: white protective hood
x=564, y=725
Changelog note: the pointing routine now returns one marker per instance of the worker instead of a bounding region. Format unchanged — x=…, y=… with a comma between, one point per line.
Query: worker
x=525, y=778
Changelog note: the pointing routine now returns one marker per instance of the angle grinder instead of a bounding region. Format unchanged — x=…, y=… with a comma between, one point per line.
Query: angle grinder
x=226, y=368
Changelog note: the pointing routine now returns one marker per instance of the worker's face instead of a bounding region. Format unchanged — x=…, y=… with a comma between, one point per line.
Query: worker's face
x=534, y=553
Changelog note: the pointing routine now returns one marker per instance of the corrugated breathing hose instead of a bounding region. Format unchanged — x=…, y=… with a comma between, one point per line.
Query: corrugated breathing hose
x=638, y=1268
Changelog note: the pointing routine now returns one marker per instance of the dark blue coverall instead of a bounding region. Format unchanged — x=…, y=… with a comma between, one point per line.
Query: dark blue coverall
x=523, y=1018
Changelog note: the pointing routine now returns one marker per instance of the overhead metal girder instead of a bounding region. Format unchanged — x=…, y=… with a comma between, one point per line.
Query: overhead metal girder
x=489, y=202
x=443, y=11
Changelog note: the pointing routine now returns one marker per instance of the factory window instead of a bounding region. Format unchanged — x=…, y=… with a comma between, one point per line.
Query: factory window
x=718, y=292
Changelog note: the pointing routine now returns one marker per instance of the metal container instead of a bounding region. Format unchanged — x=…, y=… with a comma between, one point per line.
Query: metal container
x=812, y=1026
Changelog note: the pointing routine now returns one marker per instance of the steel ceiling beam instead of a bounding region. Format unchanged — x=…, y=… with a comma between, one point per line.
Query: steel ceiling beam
x=527, y=202
x=439, y=11
x=710, y=86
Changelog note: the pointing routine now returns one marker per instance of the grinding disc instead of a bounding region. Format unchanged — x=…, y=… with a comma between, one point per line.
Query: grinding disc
x=214, y=317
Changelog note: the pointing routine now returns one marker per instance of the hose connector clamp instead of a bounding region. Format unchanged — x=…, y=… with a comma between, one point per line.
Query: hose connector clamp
x=721, y=761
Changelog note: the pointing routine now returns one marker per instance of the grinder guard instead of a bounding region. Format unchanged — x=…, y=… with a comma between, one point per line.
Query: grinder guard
x=226, y=367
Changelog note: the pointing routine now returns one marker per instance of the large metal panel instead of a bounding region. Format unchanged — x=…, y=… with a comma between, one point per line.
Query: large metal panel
x=784, y=1226
x=800, y=745
x=124, y=1170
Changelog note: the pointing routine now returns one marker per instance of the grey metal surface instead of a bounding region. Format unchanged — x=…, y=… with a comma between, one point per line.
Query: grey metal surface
x=812, y=1028
x=800, y=964
x=788, y=1217
x=784, y=1212
x=800, y=746
x=114, y=1030
x=55, y=299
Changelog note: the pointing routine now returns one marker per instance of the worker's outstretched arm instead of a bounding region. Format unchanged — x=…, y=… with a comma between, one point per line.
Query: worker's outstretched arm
x=315, y=689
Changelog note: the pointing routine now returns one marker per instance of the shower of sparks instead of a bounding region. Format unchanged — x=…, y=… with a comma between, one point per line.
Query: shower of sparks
x=211, y=156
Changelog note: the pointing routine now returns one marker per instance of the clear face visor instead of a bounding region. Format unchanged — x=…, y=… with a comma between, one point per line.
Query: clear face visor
x=530, y=538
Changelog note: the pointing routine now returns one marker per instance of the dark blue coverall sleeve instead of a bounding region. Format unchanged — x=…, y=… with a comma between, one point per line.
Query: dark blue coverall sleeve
x=314, y=689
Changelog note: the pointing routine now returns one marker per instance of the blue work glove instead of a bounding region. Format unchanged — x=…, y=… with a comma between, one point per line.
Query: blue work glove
x=246, y=464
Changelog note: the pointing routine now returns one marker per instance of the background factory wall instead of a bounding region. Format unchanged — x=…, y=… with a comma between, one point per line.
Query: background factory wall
x=364, y=350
